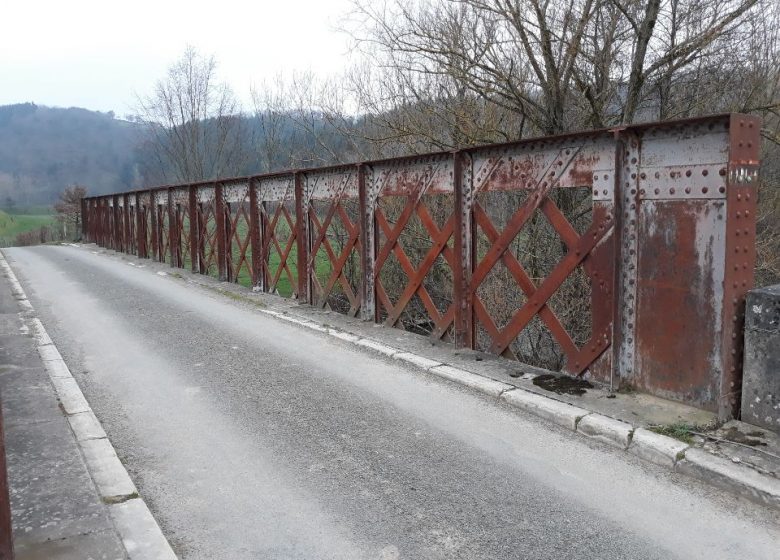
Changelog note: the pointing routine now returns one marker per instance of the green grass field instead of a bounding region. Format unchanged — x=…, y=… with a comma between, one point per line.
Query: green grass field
x=13, y=224
x=283, y=286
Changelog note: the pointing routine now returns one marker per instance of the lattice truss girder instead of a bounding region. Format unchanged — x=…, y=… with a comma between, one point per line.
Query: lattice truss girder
x=238, y=234
x=547, y=171
x=206, y=229
x=413, y=181
x=279, y=230
x=338, y=189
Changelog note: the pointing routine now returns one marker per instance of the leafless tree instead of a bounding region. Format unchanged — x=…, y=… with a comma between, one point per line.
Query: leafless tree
x=68, y=210
x=304, y=121
x=193, y=122
x=558, y=64
x=450, y=73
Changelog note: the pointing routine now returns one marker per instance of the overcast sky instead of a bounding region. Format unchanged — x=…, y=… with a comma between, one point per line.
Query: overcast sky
x=99, y=54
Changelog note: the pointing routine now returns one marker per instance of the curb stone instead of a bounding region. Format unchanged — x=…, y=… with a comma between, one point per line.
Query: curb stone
x=86, y=426
x=71, y=397
x=419, y=361
x=730, y=476
x=658, y=449
x=606, y=429
x=561, y=413
x=49, y=353
x=377, y=346
x=482, y=384
x=140, y=534
x=344, y=335
x=41, y=336
x=58, y=370
x=107, y=470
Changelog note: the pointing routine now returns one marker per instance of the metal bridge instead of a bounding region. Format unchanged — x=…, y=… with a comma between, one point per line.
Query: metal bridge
x=666, y=253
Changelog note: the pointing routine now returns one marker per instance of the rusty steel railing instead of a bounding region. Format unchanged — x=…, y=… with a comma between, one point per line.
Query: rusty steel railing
x=628, y=252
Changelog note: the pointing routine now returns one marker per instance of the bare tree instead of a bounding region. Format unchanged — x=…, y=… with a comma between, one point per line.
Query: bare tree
x=304, y=120
x=272, y=117
x=560, y=64
x=449, y=73
x=68, y=210
x=193, y=122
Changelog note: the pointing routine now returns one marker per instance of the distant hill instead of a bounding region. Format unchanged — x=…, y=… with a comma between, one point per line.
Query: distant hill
x=45, y=149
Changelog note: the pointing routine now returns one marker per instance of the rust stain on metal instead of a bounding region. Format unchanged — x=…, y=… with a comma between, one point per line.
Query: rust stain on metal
x=678, y=299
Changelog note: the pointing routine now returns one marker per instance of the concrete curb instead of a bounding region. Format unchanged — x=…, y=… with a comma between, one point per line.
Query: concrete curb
x=607, y=430
x=730, y=476
x=661, y=450
x=478, y=382
x=658, y=449
x=141, y=535
x=561, y=413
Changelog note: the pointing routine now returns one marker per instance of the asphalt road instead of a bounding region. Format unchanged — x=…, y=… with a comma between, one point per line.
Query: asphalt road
x=250, y=437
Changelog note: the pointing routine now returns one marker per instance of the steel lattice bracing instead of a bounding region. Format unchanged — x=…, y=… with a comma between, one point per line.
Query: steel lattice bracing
x=621, y=253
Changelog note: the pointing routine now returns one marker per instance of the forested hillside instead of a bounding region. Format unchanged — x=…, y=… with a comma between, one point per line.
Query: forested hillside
x=45, y=149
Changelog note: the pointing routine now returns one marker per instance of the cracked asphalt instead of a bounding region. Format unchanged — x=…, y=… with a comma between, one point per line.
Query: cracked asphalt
x=253, y=438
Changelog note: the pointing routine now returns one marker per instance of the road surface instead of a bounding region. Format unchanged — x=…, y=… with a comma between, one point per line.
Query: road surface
x=250, y=437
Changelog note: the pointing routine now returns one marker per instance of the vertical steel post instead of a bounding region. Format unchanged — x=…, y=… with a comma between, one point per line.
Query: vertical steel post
x=254, y=235
x=118, y=238
x=367, y=225
x=116, y=226
x=126, y=222
x=302, y=239
x=627, y=204
x=202, y=237
x=193, y=214
x=86, y=222
x=158, y=209
x=219, y=214
x=107, y=223
x=106, y=229
x=174, y=236
x=103, y=214
x=463, y=298
x=96, y=220
x=153, y=217
x=265, y=237
x=741, y=187
x=140, y=230
x=229, y=238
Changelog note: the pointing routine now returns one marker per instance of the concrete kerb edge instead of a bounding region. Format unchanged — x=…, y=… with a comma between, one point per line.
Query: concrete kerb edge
x=730, y=476
x=141, y=535
x=661, y=450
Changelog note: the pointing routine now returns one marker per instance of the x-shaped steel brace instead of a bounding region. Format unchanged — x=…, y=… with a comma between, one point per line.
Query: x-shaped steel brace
x=415, y=276
x=281, y=210
x=337, y=263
